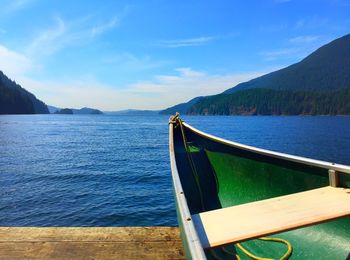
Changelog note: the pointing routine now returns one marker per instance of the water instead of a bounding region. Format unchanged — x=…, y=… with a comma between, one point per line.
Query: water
x=63, y=170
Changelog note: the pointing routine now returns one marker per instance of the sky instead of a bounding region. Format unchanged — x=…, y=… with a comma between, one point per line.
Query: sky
x=152, y=54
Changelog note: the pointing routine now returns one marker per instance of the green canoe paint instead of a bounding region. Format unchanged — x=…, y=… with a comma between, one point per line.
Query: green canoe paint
x=231, y=174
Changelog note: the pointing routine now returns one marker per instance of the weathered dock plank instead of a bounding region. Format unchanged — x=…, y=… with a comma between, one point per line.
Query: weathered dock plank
x=90, y=243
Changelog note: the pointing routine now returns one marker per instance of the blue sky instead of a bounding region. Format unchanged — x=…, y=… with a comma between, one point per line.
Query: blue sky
x=152, y=54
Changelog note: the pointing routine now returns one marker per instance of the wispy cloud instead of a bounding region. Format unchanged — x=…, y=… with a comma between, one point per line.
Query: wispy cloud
x=185, y=42
x=68, y=33
x=131, y=62
x=14, y=64
x=49, y=40
x=160, y=92
x=166, y=90
x=15, y=5
x=322, y=23
x=296, y=48
x=101, y=28
x=271, y=55
x=314, y=22
x=304, y=39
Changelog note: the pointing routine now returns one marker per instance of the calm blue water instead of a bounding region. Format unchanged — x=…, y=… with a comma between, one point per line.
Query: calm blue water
x=61, y=170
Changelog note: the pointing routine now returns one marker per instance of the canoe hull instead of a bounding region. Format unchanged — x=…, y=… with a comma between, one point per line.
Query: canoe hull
x=227, y=174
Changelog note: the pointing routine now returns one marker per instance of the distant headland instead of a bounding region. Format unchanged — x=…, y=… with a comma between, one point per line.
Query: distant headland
x=73, y=111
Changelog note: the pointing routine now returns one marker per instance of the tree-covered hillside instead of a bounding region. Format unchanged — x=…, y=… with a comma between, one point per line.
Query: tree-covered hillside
x=275, y=102
x=16, y=100
x=181, y=108
x=12, y=102
x=328, y=68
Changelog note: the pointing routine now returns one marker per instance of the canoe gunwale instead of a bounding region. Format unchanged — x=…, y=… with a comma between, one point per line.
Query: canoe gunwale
x=194, y=244
x=298, y=159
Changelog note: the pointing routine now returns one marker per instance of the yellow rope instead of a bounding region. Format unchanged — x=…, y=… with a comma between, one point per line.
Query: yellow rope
x=274, y=239
x=230, y=253
x=176, y=120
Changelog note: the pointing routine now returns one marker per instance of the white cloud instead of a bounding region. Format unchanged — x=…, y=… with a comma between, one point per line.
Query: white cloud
x=127, y=61
x=297, y=47
x=49, y=40
x=160, y=92
x=168, y=90
x=305, y=39
x=63, y=34
x=14, y=64
x=271, y=55
x=101, y=28
x=313, y=22
x=77, y=93
x=184, y=42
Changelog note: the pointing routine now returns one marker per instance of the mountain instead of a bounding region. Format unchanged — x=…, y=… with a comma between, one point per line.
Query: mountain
x=71, y=111
x=133, y=112
x=181, y=108
x=86, y=111
x=324, y=74
x=53, y=109
x=64, y=111
x=16, y=100
x=328, y=68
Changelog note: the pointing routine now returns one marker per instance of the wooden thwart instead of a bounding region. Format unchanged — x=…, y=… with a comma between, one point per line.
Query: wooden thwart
x=265, y=217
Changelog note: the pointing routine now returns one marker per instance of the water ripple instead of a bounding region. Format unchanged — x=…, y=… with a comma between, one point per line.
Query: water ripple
x=114, y=170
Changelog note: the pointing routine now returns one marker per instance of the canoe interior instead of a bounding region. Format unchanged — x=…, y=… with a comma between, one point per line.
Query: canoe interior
x=229, y=176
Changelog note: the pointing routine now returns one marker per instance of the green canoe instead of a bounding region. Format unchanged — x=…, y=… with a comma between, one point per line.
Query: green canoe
x=235, y=201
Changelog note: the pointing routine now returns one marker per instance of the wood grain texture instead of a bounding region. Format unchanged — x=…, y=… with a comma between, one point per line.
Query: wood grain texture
x=265, y=217
x=90, y=243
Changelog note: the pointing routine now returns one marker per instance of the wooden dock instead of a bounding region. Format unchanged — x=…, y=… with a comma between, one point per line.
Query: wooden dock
x=90, y=243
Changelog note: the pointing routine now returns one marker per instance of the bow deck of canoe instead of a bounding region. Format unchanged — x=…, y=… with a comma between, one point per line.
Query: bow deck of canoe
x=90, y=243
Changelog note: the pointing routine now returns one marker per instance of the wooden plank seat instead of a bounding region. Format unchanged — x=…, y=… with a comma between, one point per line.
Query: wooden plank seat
x=265, y=217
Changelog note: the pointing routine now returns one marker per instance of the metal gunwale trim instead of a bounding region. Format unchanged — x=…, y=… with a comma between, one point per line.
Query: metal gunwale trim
x=194, y=244
x=312, y=162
